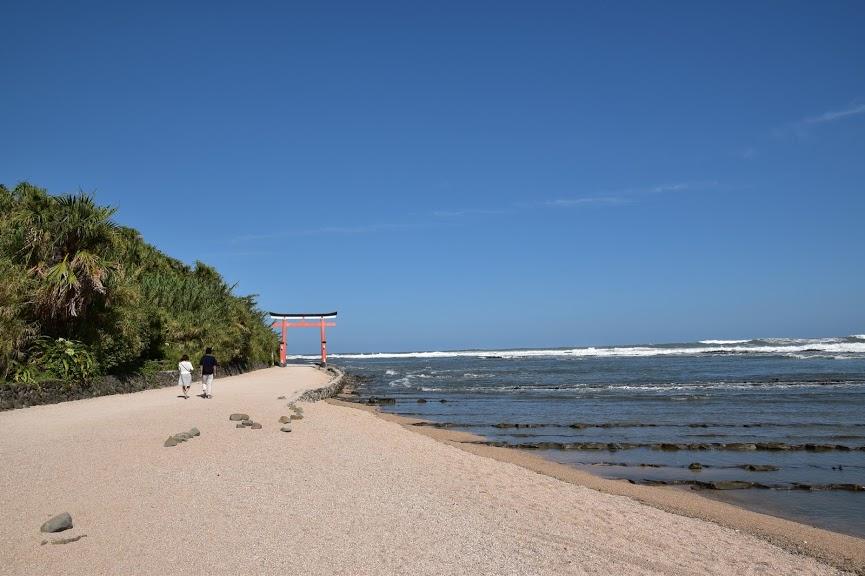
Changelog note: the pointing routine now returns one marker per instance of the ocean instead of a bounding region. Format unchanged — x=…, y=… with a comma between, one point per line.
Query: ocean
x=775, y=425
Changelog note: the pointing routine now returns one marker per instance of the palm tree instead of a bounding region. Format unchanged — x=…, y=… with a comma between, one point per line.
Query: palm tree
x=66, y=243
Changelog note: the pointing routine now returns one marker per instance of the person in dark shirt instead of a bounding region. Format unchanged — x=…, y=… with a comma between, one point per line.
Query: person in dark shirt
x=208, y=369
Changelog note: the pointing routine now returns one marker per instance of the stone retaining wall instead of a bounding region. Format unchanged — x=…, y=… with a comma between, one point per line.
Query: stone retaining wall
x=329, y=390
x=13, y=395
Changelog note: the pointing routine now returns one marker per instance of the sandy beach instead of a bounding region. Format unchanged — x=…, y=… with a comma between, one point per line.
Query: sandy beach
x=346, y=492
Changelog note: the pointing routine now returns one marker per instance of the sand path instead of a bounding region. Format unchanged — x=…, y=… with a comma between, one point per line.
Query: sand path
x=344, y=493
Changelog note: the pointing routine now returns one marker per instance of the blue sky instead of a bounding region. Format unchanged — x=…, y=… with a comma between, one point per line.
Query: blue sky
x=469, y=174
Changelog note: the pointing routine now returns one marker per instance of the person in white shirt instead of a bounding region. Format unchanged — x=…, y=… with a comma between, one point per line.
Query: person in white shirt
x=185, y=367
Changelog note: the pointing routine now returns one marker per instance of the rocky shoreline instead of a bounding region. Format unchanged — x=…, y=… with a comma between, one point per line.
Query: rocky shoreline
x=585, y=425
x=332, y=388
x=671, y=447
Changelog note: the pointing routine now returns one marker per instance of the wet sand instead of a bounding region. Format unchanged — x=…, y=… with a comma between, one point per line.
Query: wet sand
x=346, y=492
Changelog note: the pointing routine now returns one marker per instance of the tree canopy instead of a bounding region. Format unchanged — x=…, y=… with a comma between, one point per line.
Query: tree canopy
x=80, y=291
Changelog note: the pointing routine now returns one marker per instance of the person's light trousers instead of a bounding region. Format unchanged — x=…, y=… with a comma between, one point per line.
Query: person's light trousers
x=207, y=384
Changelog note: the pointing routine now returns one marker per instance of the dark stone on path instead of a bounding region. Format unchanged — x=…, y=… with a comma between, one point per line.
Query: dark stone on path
x=182, y=436
x=239, y=416
x=284, y=419
x=285, y=428
x=195, y=432
x=172, y=441
x=59, y=523
x=255, y=426
x=760, y=467
x=247, y=422
x=695, y=466
x=280, y=397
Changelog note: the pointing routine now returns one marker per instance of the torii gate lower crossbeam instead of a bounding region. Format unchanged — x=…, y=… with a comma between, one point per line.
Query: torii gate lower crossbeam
x=285, y=321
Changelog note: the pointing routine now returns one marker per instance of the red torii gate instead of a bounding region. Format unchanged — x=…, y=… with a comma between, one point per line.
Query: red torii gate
x=300, y=321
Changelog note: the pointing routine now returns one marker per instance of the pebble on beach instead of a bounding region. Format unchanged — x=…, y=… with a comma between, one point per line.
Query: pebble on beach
x=284, y=419
x=58, y=523
x=170, y=442
x=239, y=416
x=255, y=426
x=286, y=428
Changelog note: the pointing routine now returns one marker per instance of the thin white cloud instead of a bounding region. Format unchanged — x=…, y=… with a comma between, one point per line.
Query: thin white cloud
x=589, y=200
x=458, y=213
x=333, y=231
x=831, y=116
x=683, y=187
x=629, y=196
x=454, y=217
x=671, y=187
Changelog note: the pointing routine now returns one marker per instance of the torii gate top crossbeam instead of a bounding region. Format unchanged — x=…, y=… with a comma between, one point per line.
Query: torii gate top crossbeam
x=305, y=315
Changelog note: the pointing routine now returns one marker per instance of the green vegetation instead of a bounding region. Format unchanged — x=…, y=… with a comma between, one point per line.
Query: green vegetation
x=81, y=297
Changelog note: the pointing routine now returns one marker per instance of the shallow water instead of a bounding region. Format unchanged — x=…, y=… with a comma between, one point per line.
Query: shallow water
x=646, y=413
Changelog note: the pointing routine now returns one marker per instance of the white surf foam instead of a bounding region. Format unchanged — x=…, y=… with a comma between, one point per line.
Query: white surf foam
x=793, y=347
x=788, y=347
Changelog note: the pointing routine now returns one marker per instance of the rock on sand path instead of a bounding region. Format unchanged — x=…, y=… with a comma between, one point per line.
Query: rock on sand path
x=344, y=493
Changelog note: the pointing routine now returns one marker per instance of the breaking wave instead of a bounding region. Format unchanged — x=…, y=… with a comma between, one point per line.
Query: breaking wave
x=794, y=348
